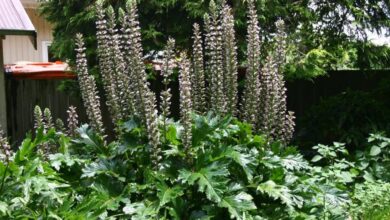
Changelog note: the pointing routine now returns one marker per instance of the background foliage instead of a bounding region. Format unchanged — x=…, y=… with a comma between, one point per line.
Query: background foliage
x=322, y=35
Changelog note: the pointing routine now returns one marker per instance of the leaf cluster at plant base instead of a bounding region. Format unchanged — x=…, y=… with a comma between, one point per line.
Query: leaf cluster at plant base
x=228, y=173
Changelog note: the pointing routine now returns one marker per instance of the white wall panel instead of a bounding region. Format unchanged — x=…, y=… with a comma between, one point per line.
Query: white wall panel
x=20, y=48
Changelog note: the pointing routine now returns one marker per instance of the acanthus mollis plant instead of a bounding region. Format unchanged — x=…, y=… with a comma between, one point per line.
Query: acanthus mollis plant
x=116, y=81
x=167, y=69
x=197, y=72
x=250, y=99
x=43, y=122
x=214, y=56
x=275, y=121
x=106, y=64
x=230, y=60
x=48, y=119
x=88, y=88
x=263, y=106
x=128, y=49
x=38, y=118
x=72, y=121
x=221, y=58
x=145, y=99
x=185, y=101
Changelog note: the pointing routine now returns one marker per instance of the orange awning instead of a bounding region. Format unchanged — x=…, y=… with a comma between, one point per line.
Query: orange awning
x=30, y=70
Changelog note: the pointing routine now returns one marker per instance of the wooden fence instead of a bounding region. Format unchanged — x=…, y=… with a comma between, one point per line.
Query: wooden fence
x=23, y=95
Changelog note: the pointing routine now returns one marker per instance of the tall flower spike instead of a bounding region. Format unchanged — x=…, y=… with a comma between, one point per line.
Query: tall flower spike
x=285, y=127
x=269, y=98
x=134, y=58
x=125, y=39
x=72, y=120
x=288, y=130
x=197, y=77
x=5, y=147
x=281, y=43
x=230, y=60
x=185, y=100
x=59, y=124
x=167, y=71
x=145, y=100
x=250, y=101
x=122, y=80
x=48, y=119
x=215, y=59
x=151, y=115
x=106, y=66
x=276, y=122
x=38, y=117
x=207, y=60
x=88, y=88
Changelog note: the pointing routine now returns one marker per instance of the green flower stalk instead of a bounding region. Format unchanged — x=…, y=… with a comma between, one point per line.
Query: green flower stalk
x=185, y=100
x=250, y=100
x=5, y=147
x=281, y=45
x=122, y=80
x=134, y=58
x=288, y=127
x=275, y=121
x=215, y=59
x=206, y=61
x=38, y=118
x=151, y=114
x=59, y=125
x=125, y=39
x=230, y=60
x=42, y=120
x=145, y=100
x=286, y=124
x=48, y=119
x=269, y=98
x=72, y=120
x=197, y=73
x=106, y=66
x=88, y=88
x=166, y=72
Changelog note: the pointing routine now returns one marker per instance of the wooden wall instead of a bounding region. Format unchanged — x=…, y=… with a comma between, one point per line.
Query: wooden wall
x=20, y=48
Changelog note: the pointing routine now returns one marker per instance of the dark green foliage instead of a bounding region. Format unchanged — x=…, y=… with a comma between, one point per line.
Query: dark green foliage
x=346, y=117
x=228, y=173
x=317, y=37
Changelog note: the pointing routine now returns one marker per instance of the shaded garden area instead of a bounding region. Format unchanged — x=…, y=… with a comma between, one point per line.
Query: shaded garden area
x=250, y=118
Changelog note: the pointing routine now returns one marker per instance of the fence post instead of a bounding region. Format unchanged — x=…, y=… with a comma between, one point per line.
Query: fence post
x=3, y=100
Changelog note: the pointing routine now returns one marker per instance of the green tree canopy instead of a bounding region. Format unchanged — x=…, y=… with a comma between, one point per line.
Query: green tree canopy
x=322, y=34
